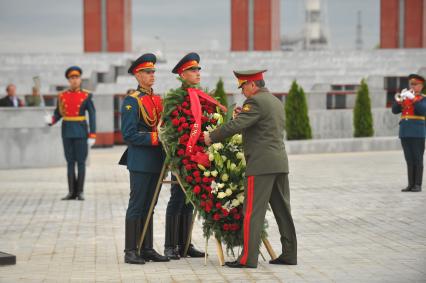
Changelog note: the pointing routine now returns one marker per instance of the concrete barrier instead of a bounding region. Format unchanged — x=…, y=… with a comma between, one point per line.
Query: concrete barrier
x=26, y=142
x=342, y=145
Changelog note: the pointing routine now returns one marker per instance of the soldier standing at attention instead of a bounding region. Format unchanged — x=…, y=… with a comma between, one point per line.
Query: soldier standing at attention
x=144, y=157
x=71, y=107
x=179, y=213
x=412, y=106
x=261, y=122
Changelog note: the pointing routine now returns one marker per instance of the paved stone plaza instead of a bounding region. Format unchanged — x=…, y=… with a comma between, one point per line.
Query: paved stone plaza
x=353, y=225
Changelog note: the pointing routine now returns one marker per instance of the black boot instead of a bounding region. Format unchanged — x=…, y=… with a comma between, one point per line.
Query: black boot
x=410, y=174
x=80, y=185
x=147, y=251
x=172, y=235
x=71, y=187
x=418, y=179
x=131, y=236
x=185, y=228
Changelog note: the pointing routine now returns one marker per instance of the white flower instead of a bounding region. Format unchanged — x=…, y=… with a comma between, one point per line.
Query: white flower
x=220, y=185
x=235, y=202
x=225, y=177
x=224, y=158
x=217, y=116
x=217, y=146
x=228, y=192
x=240, y=155
x=214, y=187
x=237, y=139
x=206, y=173
x=214, y=173
x=201, y=167
x=210, y=128
x=233, y=166
x=240, y=197
x=221, y=195
x=211, y=156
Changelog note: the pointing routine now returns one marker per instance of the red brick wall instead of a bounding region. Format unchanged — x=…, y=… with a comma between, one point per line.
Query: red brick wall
x=118, y=25
x=239, y=25
x=266, y=25
x=92, y=25
x=413, y=26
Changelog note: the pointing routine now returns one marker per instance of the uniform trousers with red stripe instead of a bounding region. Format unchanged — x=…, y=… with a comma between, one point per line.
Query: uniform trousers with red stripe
x=261, y=190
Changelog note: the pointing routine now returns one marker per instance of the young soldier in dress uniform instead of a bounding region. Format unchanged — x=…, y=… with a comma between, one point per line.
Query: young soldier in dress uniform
x=261, y=122
x=144, y=157
x=412, y=106
x=71, y=107
x=179, y=213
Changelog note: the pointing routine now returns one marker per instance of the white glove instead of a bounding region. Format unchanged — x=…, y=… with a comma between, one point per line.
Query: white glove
x=48, y=119
x=410, y=95
x=91, y=141
x=404, y=93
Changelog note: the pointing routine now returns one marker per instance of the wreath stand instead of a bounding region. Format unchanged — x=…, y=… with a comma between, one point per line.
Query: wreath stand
x=219, y=248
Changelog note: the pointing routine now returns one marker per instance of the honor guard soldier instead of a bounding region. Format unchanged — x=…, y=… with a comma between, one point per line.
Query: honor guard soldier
x=261, y=122
x=179, y=213
x=412, y=106
x=144, y=157
x=71, y=108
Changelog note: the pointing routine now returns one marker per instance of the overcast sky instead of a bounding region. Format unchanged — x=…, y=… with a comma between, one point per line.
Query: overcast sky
x=56, y=25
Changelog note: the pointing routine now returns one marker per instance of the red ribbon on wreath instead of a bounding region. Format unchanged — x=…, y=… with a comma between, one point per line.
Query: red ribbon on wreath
x=194, y=98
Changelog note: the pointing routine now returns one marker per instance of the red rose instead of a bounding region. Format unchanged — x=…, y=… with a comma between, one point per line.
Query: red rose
x=206, y=180
x=234, y=227
x=197, y=190
x=225, y=212
x=175, y=113
x=180, y=152
x=198, y=180
x=226, y=227
x=208, y=209
x=234, y=210
x=175, y=122
x=189, y=179
x=180, y=129
x=187, y=98
x=216, y=216
x=207, y=188
x=213, y=121
x=202, y=203
x=188, y=167
x=182, y=120
x=237, y=216
x=211, y=195
x=209, y=202
x=185, y=104
x=196, y=174
x=185, y=125
x=185, y=161
x=218, y=205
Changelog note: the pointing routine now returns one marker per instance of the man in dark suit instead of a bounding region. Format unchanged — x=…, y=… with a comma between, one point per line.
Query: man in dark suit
x=11, y=100
x=412, y=106
x=71, y=108
x=144, y=157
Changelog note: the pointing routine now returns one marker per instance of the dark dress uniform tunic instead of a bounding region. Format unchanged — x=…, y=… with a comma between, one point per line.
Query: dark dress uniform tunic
x=144, y=157
x=412, y=134
x=71, y=108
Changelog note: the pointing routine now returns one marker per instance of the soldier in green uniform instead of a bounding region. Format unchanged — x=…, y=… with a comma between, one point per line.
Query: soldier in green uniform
x=261, y=122
x=144, y=157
